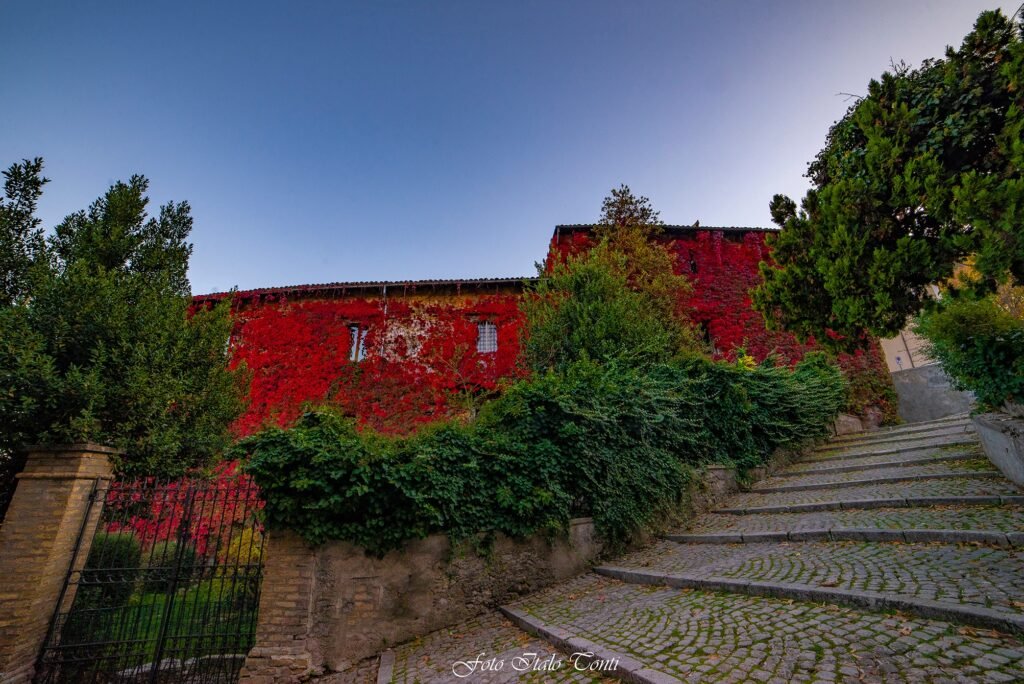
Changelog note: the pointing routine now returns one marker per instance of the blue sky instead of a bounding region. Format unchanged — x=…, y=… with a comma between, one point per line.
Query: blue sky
x=325, y=141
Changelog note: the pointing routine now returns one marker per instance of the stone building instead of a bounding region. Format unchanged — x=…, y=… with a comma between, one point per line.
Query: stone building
x=397, y=353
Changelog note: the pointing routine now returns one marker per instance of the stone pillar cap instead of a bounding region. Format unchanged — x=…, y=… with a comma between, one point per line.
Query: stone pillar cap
x=79, y=446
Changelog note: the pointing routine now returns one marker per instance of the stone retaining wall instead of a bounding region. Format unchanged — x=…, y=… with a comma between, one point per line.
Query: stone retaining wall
x=925, y=393
x=1002, y=437
x=329, y=607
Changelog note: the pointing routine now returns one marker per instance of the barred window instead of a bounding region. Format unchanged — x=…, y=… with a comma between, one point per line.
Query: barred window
x=358, y=336
x=486, y=338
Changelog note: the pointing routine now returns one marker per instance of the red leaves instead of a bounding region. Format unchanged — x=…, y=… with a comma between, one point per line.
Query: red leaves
x=155, y=511
x=419, y=354
x=421, y=361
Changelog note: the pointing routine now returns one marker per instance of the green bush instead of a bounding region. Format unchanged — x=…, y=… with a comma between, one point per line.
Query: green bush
x=111, y=570
x=163, y=565
x=611, y=440
x=109, y=578
x=106, y=584
x=618, y=301
x=981, y=348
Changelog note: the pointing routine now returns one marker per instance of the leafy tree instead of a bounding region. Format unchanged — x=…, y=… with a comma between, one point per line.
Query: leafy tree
x=21, y=238
x=921, y=173
x=621, y=299
x=622, y=208
x=980, y=344
x=100, y=343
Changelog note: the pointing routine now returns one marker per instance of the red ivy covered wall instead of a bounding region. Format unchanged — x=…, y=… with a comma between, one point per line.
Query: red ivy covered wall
x=421, y=360
x=723, y=267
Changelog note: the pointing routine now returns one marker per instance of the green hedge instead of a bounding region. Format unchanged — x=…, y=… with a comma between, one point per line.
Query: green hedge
x=603, y=440
x=980, y=346
x=111, y=569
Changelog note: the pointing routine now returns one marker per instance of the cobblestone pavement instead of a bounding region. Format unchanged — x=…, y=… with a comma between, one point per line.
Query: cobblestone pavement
x=363, y=673
x=827, y=457
x=973, y=486
x=901, y=440
x=941, y=468
x=720, y=631
x=999, y=518
x=934, y=426
x=701, y=636
x=910, y=455
x=489, y=649
x=955, y=573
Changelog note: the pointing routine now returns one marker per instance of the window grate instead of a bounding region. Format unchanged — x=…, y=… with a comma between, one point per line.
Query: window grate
x=358, y=336
x=486, y=338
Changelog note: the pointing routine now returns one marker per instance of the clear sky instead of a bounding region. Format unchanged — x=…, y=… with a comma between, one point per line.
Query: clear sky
x=325, y=141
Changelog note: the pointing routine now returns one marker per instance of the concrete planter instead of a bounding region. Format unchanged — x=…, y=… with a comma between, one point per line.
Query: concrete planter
x=1002, y=437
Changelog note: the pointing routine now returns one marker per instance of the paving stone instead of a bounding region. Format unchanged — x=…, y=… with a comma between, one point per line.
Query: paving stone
x=894, y=490
x=711, y=625
x=833, y=453
x=505, y=654
x=926, y=455
x=998, y=518
x=742, y=633
x=941, y=468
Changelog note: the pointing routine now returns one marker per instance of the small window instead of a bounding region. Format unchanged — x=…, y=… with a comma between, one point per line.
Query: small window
x=358, y=336
x=486, y=338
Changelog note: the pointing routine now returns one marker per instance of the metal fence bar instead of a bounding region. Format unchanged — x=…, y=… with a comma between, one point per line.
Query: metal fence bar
x=169, y=593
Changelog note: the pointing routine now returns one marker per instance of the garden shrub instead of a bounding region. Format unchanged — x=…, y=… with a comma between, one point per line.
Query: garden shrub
x=163, y=565
x=980, y=346
x=613, y=440
x=241, y=565
x=111, y=570
x=108, y=580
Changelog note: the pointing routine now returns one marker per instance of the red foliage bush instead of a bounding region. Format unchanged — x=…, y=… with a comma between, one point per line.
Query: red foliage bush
x=156, y=511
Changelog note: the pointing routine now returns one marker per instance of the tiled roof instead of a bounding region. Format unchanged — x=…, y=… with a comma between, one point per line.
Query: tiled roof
x=471, y=283
x=344, y=287
x=675, y=228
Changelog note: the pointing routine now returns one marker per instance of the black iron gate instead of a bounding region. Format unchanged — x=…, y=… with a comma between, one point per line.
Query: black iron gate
x=169, y=589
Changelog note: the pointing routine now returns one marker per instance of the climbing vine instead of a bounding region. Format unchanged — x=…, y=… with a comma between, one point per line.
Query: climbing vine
x=418, y=361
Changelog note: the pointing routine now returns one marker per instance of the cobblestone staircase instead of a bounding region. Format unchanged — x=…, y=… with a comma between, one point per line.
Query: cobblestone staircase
x=895, y=555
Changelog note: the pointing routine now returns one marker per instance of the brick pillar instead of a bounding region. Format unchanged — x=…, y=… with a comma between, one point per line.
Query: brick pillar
x=37, y=541
x=285, y=650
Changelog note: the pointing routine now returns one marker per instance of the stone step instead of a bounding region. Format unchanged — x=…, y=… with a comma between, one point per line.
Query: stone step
x=976, y=616
x=1006, y=519
x=448, y=655
x=942, y=441
x=869, y=495
x=873, y=534
x=961, y=450
x=615, y=662
x=868, y=504
x=703, y=636
x=958, y=443
x=792, y=482
x=979, y=585
x=906, y=428
x=906, y=437
x=887, y=461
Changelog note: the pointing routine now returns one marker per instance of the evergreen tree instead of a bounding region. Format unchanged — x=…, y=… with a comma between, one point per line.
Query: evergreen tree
x=920, y=174
x=99, y=342
x=619, y=300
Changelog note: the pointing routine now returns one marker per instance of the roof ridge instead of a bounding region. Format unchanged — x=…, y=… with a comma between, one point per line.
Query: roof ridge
x=678, y=226
x=364, y=284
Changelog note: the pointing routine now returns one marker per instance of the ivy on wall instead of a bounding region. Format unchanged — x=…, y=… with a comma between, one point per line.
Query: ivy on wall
x=724, y=269
x=420, y=361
